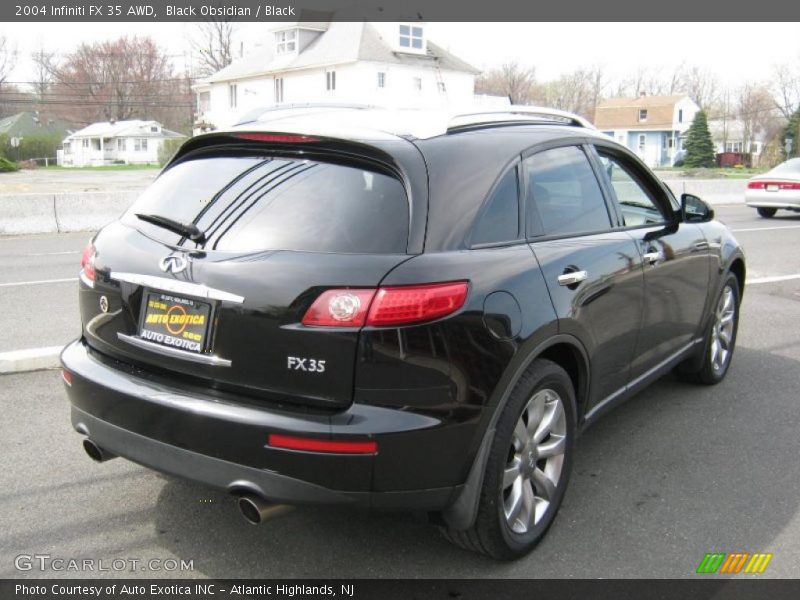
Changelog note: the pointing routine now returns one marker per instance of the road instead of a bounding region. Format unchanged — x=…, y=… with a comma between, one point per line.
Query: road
x=676, y=472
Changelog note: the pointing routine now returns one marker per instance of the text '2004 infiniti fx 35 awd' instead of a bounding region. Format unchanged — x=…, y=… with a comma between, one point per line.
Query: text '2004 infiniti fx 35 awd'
x=394, y=310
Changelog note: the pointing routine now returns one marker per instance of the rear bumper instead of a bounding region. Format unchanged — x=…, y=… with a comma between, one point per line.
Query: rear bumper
x=781, y=199
x=201, y=435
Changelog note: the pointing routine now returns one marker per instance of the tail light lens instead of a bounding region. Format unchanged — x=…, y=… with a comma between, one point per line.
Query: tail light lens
x=87, y=262
x=340, y=308
x=386, y=306
x=412, y=304
x=782, y=185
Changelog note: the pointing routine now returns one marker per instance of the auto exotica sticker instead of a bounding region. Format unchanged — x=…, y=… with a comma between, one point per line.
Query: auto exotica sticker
x=177, y=322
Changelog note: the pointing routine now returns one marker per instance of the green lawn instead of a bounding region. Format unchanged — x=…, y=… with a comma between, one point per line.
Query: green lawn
x=102, y=168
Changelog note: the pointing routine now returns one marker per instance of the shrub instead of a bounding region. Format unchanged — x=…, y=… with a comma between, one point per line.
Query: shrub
x=168, y=150
x=7, y=165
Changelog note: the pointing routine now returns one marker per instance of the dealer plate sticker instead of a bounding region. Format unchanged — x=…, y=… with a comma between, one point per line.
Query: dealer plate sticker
x=177, y=322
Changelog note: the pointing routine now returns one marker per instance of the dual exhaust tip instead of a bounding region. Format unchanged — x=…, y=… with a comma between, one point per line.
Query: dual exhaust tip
x=254, y=509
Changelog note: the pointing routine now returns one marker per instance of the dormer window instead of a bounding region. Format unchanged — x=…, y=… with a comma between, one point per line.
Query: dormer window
x=285, y=41
x=642, y=114
x=411, y=37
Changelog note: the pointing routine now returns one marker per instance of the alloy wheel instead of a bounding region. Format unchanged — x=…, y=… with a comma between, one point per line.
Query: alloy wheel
x=535, y=461
x=722, y=332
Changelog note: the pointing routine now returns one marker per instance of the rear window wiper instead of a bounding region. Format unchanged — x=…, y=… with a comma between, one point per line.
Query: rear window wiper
x=190, y=230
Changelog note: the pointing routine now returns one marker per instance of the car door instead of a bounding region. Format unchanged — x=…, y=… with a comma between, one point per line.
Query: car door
x=675, y=257
x=593, y=272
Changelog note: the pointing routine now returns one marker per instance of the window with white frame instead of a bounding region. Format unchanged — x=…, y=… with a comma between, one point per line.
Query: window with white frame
x=381, y=79
x=278, y=90
x=121, y=144
x=85, y=142
x=330, y=80
x=67, y=148
x=442, y=87
x=417, y=84
x=233, y=93
x=642, y=114
x=734, y=147
x=285, y=41
x=140, y=144
x=680, y=115
x=642, y=141
x=411, y=37
x=203, y=101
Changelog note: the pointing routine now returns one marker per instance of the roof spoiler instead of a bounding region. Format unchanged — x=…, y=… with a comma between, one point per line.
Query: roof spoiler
x=517, y=114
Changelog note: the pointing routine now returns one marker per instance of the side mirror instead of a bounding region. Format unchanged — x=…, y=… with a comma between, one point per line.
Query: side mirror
x=695, y=210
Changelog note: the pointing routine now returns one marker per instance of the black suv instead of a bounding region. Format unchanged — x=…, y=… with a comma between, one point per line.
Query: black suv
x=395, y=310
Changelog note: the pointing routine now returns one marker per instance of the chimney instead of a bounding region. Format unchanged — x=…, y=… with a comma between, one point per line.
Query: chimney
x=642, y=94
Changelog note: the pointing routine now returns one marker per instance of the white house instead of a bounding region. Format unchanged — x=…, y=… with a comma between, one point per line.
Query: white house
x=115, y=142
x=385, y=64
x=651, y=126
x=729, y=137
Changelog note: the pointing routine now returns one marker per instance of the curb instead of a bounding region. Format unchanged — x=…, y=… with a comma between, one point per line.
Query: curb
x=32, y=359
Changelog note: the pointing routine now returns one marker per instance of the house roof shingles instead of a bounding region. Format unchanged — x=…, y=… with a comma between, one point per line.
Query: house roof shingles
x=623, y=113
x=134, y=127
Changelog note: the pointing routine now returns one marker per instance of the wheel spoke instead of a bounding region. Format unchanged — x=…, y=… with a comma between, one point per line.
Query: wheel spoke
x=528, y=512
x=553, y=412
x=725, y=338
x=520, y=436
x=513, y=503
x=511, y=474
x=544, y=485
x=535, y=412
x=555, y=445
x=714, y=351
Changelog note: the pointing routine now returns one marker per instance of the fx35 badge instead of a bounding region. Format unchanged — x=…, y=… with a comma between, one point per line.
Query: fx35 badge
x=310, y=365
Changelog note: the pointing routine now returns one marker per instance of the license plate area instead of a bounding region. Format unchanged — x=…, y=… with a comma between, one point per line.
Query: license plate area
x=175, y=321
x=773, y=187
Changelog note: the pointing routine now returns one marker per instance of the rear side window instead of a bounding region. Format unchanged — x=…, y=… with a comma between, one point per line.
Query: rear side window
x=499, y=222
x=563, y=195
x=246, y=204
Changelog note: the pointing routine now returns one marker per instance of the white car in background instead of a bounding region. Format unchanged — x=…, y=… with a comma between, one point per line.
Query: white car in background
x=778, y=188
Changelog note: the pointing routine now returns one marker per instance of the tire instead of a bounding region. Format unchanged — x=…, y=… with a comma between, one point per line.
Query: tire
x=544, y=395
x=720, y=338
x=766, y=212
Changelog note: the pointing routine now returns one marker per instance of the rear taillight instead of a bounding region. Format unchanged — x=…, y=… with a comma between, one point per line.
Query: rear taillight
x=411, y=304
x=386, y=306
x=87, y=262
x=781, y=185
x=66, y=377
x=340, y=308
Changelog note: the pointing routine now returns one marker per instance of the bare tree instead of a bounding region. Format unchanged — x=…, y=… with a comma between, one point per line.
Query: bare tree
x=578, y=91
x=755, y=110
x=702, y=86
x=43, y=72
x=786, y=88
x=130, y=77
x=8, y=59
x=212, y=42
x=510, y=80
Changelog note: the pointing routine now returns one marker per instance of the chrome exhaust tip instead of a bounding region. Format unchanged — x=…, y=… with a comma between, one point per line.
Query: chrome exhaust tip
x=95, y=452
x=256, y=510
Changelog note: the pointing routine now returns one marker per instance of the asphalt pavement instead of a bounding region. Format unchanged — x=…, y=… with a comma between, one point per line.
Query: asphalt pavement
x=674, y=473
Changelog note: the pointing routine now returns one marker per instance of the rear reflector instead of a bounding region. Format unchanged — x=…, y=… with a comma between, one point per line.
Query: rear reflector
x=87, y=261
x=291, y=442
x=386, y=306
x=67, y=377
x=280, y=138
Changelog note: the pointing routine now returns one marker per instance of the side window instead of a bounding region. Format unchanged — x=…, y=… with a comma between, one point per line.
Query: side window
x=636, y=203
x=499, y=222
x=563, y=195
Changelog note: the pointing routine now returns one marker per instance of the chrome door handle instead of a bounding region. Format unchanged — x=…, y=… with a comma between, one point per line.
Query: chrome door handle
x=652, y=257
x=572, y=278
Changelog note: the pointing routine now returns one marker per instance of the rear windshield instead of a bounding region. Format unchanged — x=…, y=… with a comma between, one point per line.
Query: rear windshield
x=246, y=204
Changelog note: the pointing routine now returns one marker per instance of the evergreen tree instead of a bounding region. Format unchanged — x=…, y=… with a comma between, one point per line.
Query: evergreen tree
x=792, y=132
x=699, y=145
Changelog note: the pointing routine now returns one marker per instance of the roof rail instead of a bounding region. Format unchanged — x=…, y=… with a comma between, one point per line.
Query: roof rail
x=517, y=114
x=257, y=113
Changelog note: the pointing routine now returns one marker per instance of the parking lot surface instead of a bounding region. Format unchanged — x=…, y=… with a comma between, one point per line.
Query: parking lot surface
x=674, y=473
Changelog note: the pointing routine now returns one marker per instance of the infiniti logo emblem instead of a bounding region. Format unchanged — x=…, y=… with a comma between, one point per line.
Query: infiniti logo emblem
x=173, y=264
